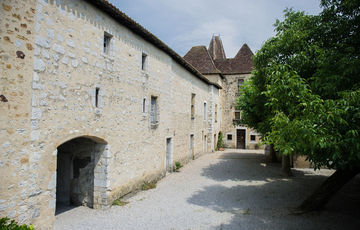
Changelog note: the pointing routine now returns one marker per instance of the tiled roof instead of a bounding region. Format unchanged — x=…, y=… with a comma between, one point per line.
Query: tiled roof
x=199, y=57
x=216, y=49
x=240, y=64
x=125, y=20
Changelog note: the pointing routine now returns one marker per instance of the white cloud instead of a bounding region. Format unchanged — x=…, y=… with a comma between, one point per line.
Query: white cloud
x=186, y=23
x=207, y=29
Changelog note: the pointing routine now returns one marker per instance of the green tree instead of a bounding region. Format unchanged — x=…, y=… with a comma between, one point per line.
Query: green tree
x=220, y=142
x=304, y=96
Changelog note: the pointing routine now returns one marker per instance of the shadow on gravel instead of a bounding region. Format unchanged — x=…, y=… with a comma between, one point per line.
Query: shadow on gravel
x=260, y=197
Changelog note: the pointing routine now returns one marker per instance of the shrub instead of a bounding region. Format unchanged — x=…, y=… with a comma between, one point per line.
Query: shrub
x=120, y=202
x=178, y=165
x=147, y=185
x=220, y=143
x=7, y=224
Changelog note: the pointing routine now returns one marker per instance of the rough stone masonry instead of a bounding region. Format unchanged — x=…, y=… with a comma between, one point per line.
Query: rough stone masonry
x=90, y=79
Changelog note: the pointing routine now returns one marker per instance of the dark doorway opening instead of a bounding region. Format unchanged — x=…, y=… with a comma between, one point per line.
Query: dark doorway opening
x=76, y=162
x=169, y=167
x=240, y=138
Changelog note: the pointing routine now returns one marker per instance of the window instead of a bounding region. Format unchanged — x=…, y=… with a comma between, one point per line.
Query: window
x=205, y=143
x=144, y=105
x=107, y=39
x=192, y=106
x=252, y=137
x=240, y=84
x=97, y=89
x=143, y=61
x=229, y=137
x=204, y=111
x=237, y=115
x=154, y=117
x=215, y=112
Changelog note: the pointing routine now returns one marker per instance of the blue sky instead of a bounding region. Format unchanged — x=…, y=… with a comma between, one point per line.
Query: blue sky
x=182, y=24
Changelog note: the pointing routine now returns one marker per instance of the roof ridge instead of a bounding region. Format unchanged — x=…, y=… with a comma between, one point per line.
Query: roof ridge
x=123, y=19
x=212, y=61
x=216, y=48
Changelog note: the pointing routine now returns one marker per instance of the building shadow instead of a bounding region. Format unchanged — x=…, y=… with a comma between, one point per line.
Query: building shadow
x=259, y=197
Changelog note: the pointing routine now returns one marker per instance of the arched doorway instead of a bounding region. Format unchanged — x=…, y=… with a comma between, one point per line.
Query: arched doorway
x=82, y=173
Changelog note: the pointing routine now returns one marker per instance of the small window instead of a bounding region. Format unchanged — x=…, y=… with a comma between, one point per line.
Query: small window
x=154, y=117
x=229, y=137
x=205, y=111
x=240, y=84
x=237, y=115
x=143, y=61
x=107, y=39
x=252, y=137
x=215, y=112
x=97, y=90
x=144, y=105
x=192, y=106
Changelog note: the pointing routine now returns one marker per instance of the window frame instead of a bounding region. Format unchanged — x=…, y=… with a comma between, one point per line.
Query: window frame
x=235, y=117
x=107, y=43
x=97, y=94
x=154, y=110
x=240, y=83
x=144, y=61
x=229, y=135
x=205, y=111
x=253, y=135
x=144, y=105
x=192, y=107
x=216, y=113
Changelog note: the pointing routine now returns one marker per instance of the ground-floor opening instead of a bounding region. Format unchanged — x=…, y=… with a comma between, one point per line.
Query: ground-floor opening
x=192, y=157
x=215, y=142
x=240, y=138
x=81, y=173
x=168, y=160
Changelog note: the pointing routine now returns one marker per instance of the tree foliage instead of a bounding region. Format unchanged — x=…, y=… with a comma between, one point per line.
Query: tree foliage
x=304, y=95
x=220, y=142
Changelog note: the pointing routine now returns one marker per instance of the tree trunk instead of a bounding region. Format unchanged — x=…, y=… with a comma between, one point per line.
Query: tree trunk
x=325, y=192
x=273, y=157
x=286, y=166
x=270, y=154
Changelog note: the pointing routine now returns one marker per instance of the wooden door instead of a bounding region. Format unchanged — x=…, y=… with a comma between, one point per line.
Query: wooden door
x=240, y=138
x=192, y=147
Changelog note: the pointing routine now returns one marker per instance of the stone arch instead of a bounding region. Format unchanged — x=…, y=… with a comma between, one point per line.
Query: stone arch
x=82, y=173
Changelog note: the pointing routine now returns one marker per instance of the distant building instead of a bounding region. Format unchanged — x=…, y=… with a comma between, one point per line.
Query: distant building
x=230, y=73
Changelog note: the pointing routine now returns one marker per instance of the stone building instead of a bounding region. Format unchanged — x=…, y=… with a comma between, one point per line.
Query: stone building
x=230, y=73
x=92, y=106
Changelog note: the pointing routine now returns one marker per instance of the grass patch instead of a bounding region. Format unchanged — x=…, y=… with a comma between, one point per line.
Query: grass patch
x=8, y=224
x=246, y=212
x=119, y=202
x=178, y=166
x=147, y=185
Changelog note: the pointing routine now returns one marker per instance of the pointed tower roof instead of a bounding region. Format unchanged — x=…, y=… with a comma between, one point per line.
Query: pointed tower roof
x=199, y=58
x=244, y=51
x=216, y=49
x=241, y=63
x=214, y=60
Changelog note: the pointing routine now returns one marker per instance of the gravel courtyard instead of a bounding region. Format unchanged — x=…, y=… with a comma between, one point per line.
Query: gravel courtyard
x=224, y=190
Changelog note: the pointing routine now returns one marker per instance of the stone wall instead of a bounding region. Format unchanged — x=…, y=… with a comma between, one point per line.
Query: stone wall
x=228, y=114
x=66, y=87
x=20, y=172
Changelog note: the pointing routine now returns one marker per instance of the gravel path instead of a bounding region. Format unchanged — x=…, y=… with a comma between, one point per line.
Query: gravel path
x=222, y=190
